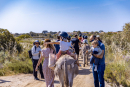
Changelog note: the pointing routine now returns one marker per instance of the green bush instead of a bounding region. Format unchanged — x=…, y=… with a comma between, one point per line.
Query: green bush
x=24, y=36
x=21, y=66
x=8, y=42
x=117, y=73
x=16, y=67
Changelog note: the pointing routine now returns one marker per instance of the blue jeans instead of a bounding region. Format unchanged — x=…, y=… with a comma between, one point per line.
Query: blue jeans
x=94, y=59
x=99, y=76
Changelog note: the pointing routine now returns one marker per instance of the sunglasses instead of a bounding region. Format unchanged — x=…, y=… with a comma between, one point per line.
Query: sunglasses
x=36, y=43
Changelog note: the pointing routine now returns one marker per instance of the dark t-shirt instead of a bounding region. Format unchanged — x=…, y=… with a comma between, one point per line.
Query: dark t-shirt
x=57, y=46
x=75, y=41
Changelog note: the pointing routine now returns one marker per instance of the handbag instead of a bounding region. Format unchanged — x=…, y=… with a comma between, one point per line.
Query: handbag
x=52, y=60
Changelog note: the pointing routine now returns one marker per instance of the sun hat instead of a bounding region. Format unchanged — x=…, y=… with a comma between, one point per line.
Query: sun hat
x=36, y=41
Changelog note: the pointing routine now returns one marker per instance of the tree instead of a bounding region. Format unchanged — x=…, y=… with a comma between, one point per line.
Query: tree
x=78, y=32
x=101, y=31
x=31, y=33
x=8, y=42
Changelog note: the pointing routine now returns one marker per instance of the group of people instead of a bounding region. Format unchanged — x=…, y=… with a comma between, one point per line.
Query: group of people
x=62, y=46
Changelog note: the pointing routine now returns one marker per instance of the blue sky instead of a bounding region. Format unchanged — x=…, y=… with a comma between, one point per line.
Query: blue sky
x=23, y=16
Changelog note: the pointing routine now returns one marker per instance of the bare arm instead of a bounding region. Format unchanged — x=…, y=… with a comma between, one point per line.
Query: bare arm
x=99, y=56
x=39, y=61
x=79, y=44
x=89, y=50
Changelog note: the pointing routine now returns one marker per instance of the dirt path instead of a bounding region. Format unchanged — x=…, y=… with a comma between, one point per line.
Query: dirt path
x=84, y=79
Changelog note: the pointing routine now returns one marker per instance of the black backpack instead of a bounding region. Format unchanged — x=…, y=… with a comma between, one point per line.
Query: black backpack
x=30, y=52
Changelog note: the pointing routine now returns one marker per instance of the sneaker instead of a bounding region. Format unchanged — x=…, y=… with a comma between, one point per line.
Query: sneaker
x=36, y=78
x=91, y=67
x=95, y=69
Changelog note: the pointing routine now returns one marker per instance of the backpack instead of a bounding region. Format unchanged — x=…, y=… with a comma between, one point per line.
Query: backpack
x=30, y=52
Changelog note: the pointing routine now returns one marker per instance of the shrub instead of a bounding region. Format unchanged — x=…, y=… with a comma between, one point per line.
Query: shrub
x=8, y=42
x=16, y=67
x=24, y=36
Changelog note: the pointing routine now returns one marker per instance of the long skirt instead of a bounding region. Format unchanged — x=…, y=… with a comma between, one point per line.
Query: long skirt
x=48, y=74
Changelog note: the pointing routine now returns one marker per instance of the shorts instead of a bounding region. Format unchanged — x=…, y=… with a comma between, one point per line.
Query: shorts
x=77, y=51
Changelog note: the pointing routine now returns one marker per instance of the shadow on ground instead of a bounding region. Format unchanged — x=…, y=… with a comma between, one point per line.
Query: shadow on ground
x=83, y=71
x=3, y=81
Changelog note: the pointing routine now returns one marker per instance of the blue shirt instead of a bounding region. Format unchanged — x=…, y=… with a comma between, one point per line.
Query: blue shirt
x=57, y=46
x=102, y=46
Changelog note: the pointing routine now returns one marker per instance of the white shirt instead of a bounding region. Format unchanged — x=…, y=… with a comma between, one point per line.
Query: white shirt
x=35, y=53
x=70, y=43
x=64, y=45
x=85, y=41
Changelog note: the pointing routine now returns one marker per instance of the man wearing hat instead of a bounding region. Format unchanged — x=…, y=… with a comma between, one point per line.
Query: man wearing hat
x=36, y=51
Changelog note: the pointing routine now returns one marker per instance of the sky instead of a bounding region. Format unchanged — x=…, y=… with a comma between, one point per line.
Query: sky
x=23, y=16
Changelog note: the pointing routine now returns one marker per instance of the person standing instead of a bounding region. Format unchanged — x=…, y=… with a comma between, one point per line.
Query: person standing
x=36, y=51
x=57, y=46
x=49, y=74
x=76, y=43
x=99, y=74
x=85, y=47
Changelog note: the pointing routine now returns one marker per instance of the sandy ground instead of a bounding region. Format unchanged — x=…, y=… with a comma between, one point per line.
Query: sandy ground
x=84, y=79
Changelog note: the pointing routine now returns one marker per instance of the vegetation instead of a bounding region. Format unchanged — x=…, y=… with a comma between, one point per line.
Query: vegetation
x=24, y=36
x=8, y=42
x=14, y=53
x=118, y=56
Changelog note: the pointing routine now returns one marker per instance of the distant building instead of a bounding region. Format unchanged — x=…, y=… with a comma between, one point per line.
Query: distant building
x=45, y=32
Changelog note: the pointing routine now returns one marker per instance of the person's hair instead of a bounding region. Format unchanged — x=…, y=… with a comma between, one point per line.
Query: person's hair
x=99, y=39
x=69, y=39
x=75, y=35
x=58, y=37
x=49, y=45
x=94, y=37
x=95, y=42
